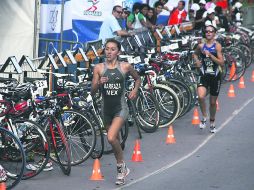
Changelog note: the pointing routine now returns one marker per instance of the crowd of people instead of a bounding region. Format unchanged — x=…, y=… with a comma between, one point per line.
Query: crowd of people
x=123, y=21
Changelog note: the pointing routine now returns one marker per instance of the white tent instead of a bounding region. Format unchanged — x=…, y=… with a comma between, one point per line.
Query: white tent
x=18, y=31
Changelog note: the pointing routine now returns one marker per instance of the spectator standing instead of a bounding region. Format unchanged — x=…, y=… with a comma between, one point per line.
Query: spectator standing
x=192, y=13
x=123, y=20
x=139, y=21
x=144, y=11
x=163, y=2
x=237, y=13
x=178, y=14
x=223, y=21
x=210, y=16
x=133, y=21
x=110, y=27
x=151, y=16
x=158, y=6
x=199, y=15
x=195, y=7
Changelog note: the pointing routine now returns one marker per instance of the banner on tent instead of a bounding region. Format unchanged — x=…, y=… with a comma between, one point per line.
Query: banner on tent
x=50, y=24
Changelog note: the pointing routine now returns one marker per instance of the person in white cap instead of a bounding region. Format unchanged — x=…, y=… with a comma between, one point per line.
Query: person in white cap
x=199, y=15
x=208, y=57
x=195, y=7
x=237, y=13
x=210, y=15
x=192, y=13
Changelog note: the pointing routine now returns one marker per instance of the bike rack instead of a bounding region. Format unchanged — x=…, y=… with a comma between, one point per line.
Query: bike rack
x=82, y=53
x=70, y=56
x=47, y=61
x=26, y=60
x=94, y=46
x=11, y=63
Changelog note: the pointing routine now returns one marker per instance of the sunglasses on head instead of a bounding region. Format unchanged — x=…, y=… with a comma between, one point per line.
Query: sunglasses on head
x=209, y=31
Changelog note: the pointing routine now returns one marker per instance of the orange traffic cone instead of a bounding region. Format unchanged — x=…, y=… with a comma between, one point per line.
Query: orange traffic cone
x=252, y=76
x=96, y=175
x=170, y=138
x=232, y=74
x=2, y=186
x=217, y=105
x=241, y=83
x=231, y=91
x=195, y=119
x=137, y=156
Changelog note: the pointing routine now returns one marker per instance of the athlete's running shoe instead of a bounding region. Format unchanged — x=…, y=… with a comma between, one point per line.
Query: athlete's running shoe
x=213, y=128
x=48, y=167
x=202, y=124
x=34, y=167
x=122, y=172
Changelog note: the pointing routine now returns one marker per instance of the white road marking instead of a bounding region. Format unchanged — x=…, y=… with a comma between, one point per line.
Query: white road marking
x=234, y=114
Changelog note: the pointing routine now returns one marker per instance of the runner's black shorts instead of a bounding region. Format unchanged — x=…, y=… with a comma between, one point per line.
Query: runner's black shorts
x=110, y=114
x=211, y=82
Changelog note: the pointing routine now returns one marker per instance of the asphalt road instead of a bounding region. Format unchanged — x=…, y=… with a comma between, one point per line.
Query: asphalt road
x=198, y=160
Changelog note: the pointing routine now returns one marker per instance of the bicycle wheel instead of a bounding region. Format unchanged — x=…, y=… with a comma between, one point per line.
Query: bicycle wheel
x=98, y=126
x=247, y=52
x=193, y=89
x=35, y=144
x=189, y=94
x=59, y=145
x=80, y=135
x=12, y=157
x=148, y=111
x=233, y=55
x=179, y=93
x=133, y=117
x=168, y=103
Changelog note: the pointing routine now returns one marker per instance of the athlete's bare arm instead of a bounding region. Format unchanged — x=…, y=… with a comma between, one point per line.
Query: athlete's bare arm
x=196, y=54
x=129, y=69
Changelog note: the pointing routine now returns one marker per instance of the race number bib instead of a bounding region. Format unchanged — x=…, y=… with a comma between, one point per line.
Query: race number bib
x=209, y=66
x=41, y=84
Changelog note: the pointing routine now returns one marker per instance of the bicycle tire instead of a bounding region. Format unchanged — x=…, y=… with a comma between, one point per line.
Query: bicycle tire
x=179, y=93
x=99, y=145
x=187, y=93
x=234, y=55
x=247, y=52
x=80, y=135
x=36, y=145
x=11, y=145
x=133, y=116
x=148, y=112
x=56, y=131
x=166, y=96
